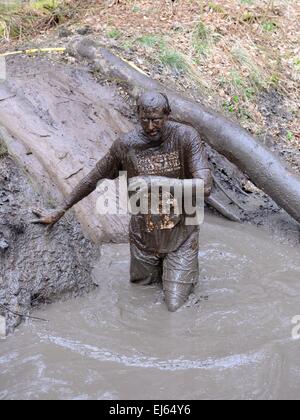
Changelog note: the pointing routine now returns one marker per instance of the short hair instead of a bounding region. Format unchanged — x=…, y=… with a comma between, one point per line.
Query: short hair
x=153, y=100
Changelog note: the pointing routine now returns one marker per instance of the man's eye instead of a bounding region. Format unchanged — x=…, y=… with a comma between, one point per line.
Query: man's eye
x=157, y=121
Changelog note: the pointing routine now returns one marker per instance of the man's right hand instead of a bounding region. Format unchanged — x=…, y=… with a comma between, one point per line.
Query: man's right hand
x=47, y=217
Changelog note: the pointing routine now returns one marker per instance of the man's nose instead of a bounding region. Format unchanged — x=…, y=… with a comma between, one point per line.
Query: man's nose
x=151, y=125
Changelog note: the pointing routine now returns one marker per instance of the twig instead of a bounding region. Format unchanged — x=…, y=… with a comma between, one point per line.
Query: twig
x=40, y=135
x=73, y=100
x=22, y=315
x=227, y=194
x=9, y=97
x=241, y=191
x=74, y=173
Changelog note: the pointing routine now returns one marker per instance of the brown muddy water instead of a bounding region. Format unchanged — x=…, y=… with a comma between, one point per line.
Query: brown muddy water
x=233, y=340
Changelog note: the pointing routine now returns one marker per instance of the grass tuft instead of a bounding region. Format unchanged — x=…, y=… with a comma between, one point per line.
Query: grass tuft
x=215, y=7
x=23, y=20
x=114, y=33
x=3, y=149
x=202, y=40
x=173, y=59
x=151, y=41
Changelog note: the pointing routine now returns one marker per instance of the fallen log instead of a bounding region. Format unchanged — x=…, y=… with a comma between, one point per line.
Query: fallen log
x=264, y=169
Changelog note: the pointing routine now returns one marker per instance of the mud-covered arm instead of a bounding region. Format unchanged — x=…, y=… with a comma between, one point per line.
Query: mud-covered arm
x=107, y=167
x=197, y=161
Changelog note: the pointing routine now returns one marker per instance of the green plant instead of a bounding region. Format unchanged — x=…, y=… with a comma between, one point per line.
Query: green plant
x=215, y=7
x=274, y=80
x=127, y=45
x=229, y=106
x=236, y=79
x=114, y=33
x=236, y=99
x=201, y=32
x=248, y=17
x=297, y=63
x=8, y=7
x=290, y=136
x=25, y=19
x=201, y=40
x=173, y=59
x=269, y=26
x=151, y=41
x=255, y=79
x=234, y=106
x=165, y=55
x=136, y=9
x=3, y=149
x=239, y=88
x=45, y=4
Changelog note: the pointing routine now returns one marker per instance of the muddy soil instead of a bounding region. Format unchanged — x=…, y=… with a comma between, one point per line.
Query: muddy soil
x=273, y=107
x=36, y=267
x=59, y=121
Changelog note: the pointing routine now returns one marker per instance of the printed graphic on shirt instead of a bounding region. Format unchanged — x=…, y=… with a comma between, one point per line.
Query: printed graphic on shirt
x=158, y=164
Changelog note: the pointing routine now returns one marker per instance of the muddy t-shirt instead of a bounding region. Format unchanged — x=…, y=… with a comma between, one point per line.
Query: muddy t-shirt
x=180, y=154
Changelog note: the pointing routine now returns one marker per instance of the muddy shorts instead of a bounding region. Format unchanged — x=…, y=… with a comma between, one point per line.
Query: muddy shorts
x=178, y=270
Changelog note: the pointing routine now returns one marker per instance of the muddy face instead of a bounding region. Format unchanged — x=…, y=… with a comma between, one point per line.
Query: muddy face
x=152, y=123
x=153, y=110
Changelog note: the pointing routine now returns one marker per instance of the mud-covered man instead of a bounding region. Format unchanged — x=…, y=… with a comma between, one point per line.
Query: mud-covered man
x=163, y=248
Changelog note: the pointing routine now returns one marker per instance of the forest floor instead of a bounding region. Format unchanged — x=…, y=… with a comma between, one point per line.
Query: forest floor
x=240, y=57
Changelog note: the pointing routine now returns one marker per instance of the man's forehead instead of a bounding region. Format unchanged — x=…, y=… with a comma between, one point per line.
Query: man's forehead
x=147, y=112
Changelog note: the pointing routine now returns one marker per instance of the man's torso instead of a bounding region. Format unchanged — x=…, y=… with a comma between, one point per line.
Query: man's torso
x=161, y=233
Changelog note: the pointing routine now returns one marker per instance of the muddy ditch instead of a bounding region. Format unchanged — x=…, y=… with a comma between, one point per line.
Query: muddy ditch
x=56, y=122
